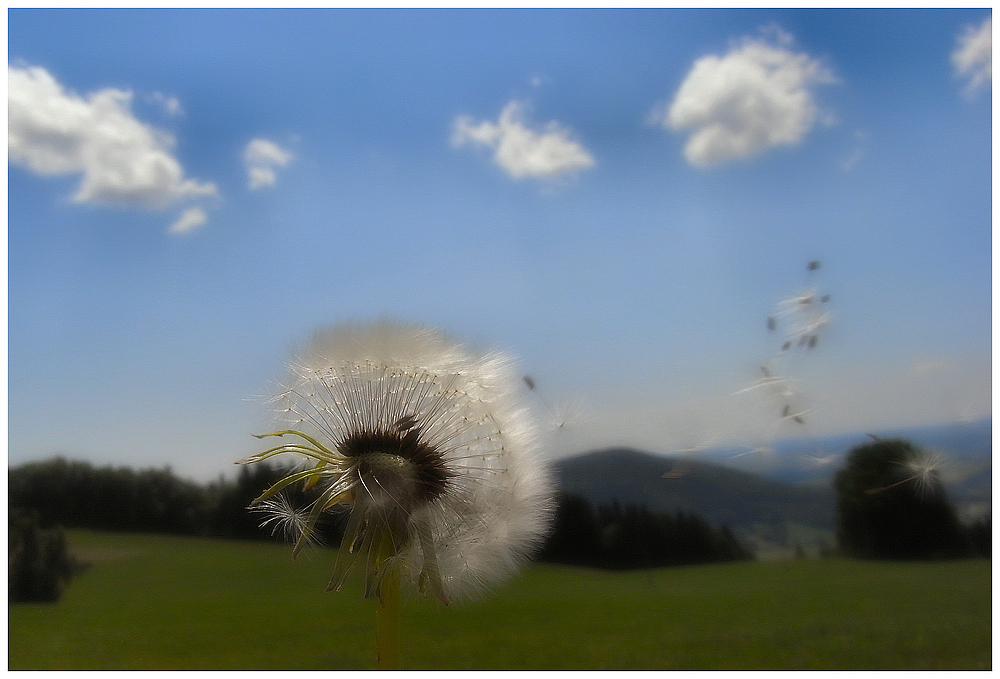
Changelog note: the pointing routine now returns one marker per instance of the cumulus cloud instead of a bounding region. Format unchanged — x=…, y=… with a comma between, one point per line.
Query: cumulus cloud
x=973, y=58
x=190, y=219
x=757, y=96
x=123, y=161
x=521, y=151
x=171, y=105
x=262, y=158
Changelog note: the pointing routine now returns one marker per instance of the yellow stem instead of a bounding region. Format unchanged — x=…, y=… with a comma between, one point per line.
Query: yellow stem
x=387, y=623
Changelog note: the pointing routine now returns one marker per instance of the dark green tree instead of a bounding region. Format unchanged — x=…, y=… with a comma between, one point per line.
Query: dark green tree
x=575, y=537
x=620, y=537
x=891, y=504
x=76, y=494
x=39, y=564
x=981, y=537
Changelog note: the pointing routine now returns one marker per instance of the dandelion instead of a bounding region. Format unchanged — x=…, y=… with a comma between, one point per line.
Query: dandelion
x=427, y=446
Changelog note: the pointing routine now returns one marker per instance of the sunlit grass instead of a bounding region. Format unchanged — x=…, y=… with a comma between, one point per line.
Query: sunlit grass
x=157, y=602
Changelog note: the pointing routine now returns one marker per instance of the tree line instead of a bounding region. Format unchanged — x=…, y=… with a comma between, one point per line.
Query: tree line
x=620, y=537
x=46, y=497
x=891, y=504
x=76, y=494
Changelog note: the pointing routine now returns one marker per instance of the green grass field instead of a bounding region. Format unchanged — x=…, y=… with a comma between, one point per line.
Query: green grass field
x=157, y=602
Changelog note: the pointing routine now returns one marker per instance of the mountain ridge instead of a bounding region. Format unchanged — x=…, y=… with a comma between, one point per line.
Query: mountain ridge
x=762, y=512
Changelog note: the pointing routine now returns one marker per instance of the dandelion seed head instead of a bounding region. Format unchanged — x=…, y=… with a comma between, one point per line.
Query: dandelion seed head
x=428, y=447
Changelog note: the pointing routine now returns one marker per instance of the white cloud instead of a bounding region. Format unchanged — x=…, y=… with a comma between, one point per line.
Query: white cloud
x=261, y=158
x=757, y=96
x=123, y=161
x=973, y=58
x=521, y=151
x=189, y=220
x=857, y=153
x=927, y=366
x=171, y=105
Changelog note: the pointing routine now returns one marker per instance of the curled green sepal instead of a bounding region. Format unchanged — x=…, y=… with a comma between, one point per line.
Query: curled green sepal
x=384, y=560
x=348, y=552
x=287, y=481
x=377, y=537
x=278, y=450
x=317, y=451
x=429, y=573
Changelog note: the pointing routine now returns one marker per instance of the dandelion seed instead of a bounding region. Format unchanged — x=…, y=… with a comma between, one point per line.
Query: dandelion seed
x=778, y=386
x=807, y=318
x=924, y=467
x=763, y=450
x=285, y=518
x=781, y=392
x=819, y=460
x=426, y=445
x=678, y=470
x=558, y=416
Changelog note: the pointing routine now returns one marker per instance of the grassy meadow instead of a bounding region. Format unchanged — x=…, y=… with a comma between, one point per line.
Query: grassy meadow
x=161, y=602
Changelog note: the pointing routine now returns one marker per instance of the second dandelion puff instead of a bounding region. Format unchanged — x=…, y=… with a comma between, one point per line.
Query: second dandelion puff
x=426, y=445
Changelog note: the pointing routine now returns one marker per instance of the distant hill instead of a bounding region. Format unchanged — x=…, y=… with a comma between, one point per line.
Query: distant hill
x=765, y=513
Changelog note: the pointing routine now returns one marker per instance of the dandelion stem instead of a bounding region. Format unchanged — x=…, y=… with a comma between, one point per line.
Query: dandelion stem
x=387, y=625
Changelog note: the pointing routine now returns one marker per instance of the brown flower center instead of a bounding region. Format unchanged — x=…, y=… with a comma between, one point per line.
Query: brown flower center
x=395, y=467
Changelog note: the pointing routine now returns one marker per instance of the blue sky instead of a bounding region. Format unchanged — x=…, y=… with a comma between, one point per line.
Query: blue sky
x=620, y=199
